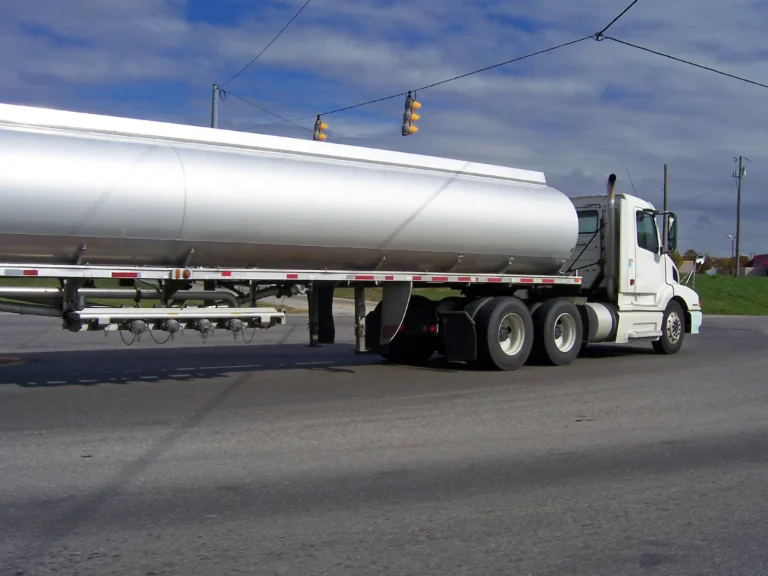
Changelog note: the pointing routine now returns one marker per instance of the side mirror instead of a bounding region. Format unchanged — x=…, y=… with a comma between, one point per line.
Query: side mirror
x=672, y=233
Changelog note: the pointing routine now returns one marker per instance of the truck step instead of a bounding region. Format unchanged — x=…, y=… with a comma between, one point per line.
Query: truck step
x=645, y=334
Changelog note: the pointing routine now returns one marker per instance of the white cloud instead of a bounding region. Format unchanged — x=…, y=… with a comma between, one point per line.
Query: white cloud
x=546, y=113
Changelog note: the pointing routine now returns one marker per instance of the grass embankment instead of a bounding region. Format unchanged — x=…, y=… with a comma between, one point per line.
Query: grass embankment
x=745, y=296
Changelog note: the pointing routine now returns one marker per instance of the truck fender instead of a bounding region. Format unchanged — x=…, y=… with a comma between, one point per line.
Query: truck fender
x=394, y=304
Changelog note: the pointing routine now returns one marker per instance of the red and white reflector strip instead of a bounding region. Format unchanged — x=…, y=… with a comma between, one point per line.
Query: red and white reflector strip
x=19, y=272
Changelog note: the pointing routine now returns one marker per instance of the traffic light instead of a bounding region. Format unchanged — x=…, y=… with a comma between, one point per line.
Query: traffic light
x=409, y=117
x=319, y=127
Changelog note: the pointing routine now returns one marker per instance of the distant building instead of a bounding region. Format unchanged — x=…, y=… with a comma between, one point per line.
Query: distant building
x=758, y=260
x=757, y=265
x=686, y=267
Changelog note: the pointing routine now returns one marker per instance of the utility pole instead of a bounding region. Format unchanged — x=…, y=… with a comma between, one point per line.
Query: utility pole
x=666, y=207
x=740, y=175
x=215, y=106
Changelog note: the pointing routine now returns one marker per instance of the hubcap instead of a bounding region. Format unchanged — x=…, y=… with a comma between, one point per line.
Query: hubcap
x=674, y=327
x=565, y=332
x=511, y=334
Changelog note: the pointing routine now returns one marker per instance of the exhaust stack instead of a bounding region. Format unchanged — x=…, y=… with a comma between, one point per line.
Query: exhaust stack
x=610, y=241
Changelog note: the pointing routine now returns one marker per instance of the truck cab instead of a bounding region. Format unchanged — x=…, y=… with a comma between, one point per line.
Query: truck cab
x=646, y=291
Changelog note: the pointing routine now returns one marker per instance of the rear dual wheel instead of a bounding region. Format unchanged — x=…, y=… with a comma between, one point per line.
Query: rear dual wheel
x=504, y=329
x=559, y=332
x=508, y=335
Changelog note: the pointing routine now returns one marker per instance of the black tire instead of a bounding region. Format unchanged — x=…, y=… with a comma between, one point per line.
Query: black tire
x=559, y=333
x=503, y=323
x=414, y=349
x=672, y=330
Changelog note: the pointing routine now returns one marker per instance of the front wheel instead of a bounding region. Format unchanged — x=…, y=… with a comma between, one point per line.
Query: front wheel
x=672, y=330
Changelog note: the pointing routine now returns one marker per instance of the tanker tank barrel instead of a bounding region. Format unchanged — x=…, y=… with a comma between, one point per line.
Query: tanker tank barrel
x=384, y=207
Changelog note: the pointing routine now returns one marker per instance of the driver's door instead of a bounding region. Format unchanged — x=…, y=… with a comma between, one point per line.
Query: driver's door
x=649, y=263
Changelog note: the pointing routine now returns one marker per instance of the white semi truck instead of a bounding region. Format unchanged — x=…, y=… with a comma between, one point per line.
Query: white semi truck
x=176, y=213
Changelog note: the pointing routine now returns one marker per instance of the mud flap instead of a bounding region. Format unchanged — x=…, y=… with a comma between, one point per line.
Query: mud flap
x=457, y=330
x=394, y=304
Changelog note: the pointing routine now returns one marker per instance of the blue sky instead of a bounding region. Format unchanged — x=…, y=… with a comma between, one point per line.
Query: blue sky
x=576, y=114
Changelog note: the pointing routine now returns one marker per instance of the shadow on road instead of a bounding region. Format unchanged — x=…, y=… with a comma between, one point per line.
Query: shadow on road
x=98, y=367
x=594, y=352
x=95, y=367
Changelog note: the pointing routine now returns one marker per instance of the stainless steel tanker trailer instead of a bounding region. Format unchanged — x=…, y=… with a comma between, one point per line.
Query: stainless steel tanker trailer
x=178, y=213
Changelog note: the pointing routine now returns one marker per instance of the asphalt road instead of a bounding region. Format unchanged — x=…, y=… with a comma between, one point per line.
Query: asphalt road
x=229, y=458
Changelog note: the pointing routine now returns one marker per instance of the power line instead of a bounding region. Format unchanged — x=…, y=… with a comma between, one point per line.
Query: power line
x=260, y=107
x=268, y=45
x=506, y=62
x=599, y=36
x=612, y=22
x=700, y=196
x=683, y=61
x=399, y=94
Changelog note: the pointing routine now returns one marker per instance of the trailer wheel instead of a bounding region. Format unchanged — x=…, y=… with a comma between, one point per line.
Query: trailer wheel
x=415, y=344
x=504, y=334
x=559, y=332
x=672, y=330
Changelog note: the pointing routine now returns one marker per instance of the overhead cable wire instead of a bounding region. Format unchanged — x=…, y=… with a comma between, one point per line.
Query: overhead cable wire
x=662, y=54
x=612, y=22
x=685, y=201
x=447, y=80
x=599, y=36
x=268, y=45
x=506, y=62
x=260, y=107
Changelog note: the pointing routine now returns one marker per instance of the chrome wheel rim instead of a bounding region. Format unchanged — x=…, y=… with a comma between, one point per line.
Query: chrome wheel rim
x=511, y=334
x=674, y=327
x=564, y=332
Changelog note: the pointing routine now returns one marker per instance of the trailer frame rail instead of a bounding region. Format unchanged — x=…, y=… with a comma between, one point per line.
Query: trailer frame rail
x=274, y=276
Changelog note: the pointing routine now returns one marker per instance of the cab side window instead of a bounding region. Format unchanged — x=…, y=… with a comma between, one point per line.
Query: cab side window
x=647, y=236
x=588, y=221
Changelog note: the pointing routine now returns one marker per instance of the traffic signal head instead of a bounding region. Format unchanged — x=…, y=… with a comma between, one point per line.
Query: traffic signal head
x=319, y=127
x=409, y=117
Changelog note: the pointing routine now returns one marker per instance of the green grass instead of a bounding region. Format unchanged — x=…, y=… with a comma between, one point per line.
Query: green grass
x=746, y=296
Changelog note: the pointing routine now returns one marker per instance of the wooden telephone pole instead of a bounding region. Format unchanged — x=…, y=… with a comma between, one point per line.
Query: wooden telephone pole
x=739, y=177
